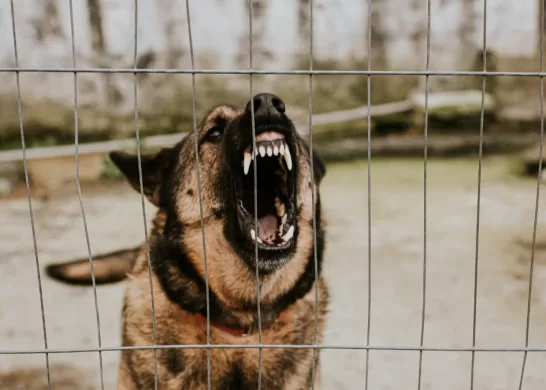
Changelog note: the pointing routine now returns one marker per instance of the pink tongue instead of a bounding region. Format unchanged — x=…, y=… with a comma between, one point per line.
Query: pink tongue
x=267, y=228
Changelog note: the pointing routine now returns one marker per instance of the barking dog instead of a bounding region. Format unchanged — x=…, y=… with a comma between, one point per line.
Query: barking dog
x=286, y=188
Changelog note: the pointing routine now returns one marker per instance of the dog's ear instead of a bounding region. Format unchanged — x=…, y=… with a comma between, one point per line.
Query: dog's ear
x=153, y=171
x=319, y=167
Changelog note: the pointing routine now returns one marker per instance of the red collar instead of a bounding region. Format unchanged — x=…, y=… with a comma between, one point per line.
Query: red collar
x=237, y=332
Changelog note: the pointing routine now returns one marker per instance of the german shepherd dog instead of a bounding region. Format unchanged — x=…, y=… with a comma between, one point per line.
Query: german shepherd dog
x=286, y=189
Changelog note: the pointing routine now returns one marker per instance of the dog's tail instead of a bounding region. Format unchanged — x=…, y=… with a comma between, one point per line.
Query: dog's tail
x=108, y=268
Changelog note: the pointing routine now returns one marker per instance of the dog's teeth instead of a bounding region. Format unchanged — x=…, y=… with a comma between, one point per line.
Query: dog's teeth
x=289, y=234
x=284, y=218
x=246, y=163
x=288, y=158
x=269, y=151
x=280, y=209
x=279, y=206
x=253, y=235
x=262, y=151
x=282, y=149
x=276, y=150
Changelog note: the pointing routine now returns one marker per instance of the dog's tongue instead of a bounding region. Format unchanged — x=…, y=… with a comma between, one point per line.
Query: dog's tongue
x=267, y=228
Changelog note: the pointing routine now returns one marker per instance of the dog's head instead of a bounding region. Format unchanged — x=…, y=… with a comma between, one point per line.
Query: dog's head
x=223, y=177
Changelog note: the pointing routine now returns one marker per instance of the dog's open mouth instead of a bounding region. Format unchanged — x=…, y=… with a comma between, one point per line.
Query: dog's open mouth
x=275, y=188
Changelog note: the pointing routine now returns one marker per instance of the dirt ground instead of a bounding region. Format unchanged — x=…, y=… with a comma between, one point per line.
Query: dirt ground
x=114, y=219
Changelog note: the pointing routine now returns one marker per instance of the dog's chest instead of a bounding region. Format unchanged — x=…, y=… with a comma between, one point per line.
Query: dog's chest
x=230, y=368
x=281, y=369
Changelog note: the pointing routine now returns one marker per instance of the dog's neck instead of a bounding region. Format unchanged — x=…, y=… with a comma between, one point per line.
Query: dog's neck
x=184, y=286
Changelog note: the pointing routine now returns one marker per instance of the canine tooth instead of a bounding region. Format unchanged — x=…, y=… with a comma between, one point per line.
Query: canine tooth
x=276, y=150
x=289, y=234
x=262, y=151
x=269, y=151
x=288, y=158
x=284, y=218
x=280, y=209
x=253, y=235
x=282, y=149
x=247, y=160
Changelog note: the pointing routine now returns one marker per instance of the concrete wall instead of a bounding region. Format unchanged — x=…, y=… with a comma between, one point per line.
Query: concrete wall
x=104, y=37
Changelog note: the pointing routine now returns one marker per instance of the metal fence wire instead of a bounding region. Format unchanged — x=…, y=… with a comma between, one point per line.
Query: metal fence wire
x=16, y=70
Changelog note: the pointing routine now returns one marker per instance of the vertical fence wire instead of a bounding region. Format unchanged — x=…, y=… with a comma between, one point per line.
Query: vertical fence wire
x=250, y=2
x=142, y=200
x=27, y=182
x=369, y=88
x=425, y=177
x=539, y=175
x=313, y=204
x=78, y=187
x=199, y=191
x=478, y=201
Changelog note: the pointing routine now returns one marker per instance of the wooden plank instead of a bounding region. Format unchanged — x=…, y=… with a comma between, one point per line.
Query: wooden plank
x=170, y=139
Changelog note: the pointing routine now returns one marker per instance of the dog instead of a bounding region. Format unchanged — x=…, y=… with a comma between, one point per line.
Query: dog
x=289, y=253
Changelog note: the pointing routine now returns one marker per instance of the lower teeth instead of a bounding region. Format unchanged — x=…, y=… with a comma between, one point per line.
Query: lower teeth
x=287, y=236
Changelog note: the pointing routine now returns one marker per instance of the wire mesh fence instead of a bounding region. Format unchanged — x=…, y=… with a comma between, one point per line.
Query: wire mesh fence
x=310, y=73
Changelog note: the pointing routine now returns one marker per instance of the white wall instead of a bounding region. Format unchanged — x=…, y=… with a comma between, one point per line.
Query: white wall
x=220, y=26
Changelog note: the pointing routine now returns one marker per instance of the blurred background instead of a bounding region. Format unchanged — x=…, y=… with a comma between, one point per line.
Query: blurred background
x=507, y=107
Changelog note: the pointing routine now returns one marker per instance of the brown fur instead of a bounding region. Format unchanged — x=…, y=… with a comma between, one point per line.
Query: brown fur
x=287, y=294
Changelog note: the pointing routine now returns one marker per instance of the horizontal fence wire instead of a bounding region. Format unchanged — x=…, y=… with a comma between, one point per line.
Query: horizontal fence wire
x=274, y=346
x=304, y=72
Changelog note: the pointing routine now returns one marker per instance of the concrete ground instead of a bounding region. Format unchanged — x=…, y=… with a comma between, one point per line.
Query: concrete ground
x=114, y=219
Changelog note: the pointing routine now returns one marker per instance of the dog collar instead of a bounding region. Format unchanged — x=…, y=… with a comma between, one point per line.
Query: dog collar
x=237, y=332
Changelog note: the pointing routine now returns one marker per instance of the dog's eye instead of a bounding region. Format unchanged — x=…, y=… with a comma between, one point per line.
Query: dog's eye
x=215, y=134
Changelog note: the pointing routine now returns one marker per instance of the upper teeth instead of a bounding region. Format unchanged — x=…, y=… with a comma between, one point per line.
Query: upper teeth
x=268, y=149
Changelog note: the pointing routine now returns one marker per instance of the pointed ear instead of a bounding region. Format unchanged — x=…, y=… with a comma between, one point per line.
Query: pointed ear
x=153, y=168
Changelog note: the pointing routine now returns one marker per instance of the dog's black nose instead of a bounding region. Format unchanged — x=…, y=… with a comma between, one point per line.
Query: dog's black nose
x=266, y=105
